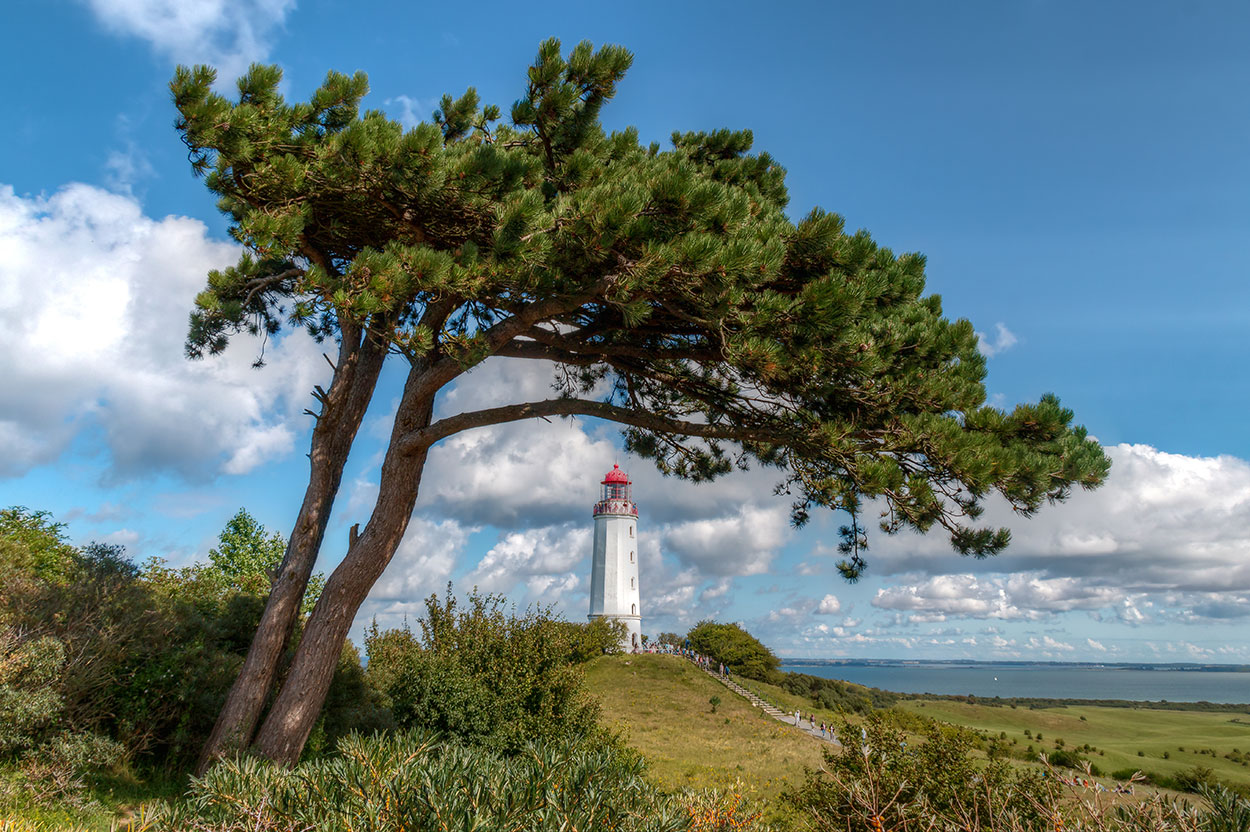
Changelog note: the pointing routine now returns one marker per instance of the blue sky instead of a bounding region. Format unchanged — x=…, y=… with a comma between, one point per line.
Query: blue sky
x=1076, y=173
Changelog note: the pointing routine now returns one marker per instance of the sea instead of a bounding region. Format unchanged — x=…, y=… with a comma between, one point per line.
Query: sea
x=1046, y=681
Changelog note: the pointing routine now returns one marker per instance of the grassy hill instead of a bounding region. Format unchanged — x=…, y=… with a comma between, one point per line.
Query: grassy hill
x=660, y=704
x=1216, y=740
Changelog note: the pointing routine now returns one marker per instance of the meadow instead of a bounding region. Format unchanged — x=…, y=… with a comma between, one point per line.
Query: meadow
x=659, y=704
x=1169, y=741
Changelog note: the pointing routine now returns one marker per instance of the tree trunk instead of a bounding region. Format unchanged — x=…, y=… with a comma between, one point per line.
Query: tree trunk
x=343, y=410
x=294, y=713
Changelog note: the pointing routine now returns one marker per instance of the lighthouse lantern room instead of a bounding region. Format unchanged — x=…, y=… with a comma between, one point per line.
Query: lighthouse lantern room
x=614, y=591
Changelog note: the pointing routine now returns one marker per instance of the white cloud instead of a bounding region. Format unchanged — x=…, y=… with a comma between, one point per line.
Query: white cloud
x=829, y=605
x=1014, y=597
x=228, y=34
x=550, y=554
x=1003, y=340
x=744, y=543
x=1166, y=528
x=422, y=565
x=94, y=297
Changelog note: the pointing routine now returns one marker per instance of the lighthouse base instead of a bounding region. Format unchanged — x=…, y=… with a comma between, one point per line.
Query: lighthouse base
x=632, y=640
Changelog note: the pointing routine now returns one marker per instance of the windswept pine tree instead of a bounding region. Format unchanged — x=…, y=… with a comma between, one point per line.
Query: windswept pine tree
x=723, y=332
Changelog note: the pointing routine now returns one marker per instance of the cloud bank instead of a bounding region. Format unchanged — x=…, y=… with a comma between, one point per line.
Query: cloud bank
x=93, y=302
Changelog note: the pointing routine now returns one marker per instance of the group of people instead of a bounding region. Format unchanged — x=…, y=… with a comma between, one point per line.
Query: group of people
x=826, y=731
x=702, y=661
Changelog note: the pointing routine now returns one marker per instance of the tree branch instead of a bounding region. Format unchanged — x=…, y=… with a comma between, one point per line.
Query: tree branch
x=425, y=437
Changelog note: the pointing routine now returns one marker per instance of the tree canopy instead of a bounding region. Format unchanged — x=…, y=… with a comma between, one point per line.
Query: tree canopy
x=668, y=287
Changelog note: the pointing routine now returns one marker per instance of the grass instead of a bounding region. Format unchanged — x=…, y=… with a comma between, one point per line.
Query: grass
x=1119, y=733
x=660, y=704
x=109, y=798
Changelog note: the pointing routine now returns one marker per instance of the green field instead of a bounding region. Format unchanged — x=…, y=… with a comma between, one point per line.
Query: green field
x=1117, y=734
x=660, y=704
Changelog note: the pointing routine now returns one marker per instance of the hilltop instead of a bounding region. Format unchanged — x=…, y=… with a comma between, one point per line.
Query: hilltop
x=660, y=705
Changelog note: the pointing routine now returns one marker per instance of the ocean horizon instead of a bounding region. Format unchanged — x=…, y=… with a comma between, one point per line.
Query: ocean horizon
x=1136, y=681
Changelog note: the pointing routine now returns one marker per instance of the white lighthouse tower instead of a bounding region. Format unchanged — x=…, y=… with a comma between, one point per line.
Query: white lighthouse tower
x=614, y=564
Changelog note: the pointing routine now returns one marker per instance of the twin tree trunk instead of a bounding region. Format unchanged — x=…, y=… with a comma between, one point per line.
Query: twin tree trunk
x=343, y=410
x=295, y=711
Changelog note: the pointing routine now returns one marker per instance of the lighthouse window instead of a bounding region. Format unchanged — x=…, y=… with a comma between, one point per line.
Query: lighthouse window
x=631, y=531
x=631, y=557
x=633, y=609
x=631, y=583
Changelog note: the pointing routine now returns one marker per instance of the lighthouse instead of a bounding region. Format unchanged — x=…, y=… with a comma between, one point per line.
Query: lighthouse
x=614, y=563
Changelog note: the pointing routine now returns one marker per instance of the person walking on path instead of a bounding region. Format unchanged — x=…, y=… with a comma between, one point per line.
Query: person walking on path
x=798, y=719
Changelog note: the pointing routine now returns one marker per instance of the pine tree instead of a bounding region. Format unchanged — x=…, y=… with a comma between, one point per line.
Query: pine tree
x=724, y=333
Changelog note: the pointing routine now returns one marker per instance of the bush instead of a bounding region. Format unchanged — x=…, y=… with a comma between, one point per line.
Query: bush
x=483, y=677
x=1065, y=759
x=412, y=780
x=737, y=649
x=149, y=651
x=881, y=782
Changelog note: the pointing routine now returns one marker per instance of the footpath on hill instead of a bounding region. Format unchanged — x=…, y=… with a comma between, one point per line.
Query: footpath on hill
x=769, y=708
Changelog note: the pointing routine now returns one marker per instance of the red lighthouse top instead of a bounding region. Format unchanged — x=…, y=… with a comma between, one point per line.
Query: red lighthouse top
x=615, y=497
x=616, y=475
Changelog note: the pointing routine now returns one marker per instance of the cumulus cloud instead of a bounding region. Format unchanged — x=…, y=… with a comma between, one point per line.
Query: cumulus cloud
x=1002, y=340
x=829, y=605
x=228, y=34
x=1018, y=597
x=94, y=298
x=1164, y=528
x=425, y=560
x=551, y=554
x=744, y=543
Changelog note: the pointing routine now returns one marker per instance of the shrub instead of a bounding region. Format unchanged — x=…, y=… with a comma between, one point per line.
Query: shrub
x=717, y=811
x=740, y=651
x=411, y=780
x=149, y=651
x=1065, y=759
x=882, y=782
x=484, y=677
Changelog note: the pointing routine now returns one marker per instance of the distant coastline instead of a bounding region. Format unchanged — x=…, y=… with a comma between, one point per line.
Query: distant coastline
x=1044, y=684
x=1185, y=666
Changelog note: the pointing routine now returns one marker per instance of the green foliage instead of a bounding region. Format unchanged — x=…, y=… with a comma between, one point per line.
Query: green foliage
x=740, y=651
x=111, y=652
x=597, y=637
x=835, y=694
x=671, y=639
x=1227, y=810
x=412, y=780
x=879, y=780
x=1065, y=759
x=483, y=676
x=35, y=732
x=32, y=546
x=352, y=705
x=30, y=705
x=722, y=331
x=246, y=558
x=714, y=702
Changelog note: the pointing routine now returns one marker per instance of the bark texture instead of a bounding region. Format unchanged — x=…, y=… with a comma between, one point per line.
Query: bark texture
x=294, y=712
x=343, y=409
